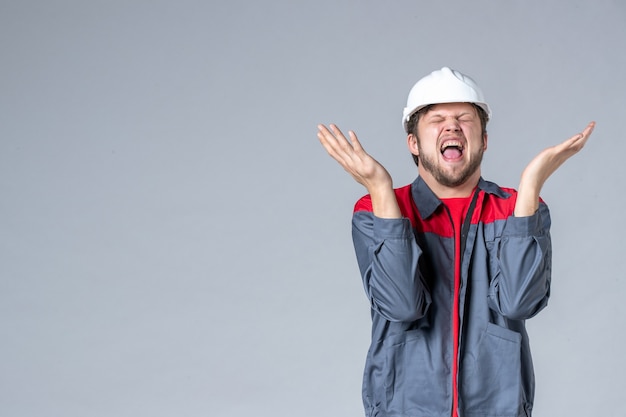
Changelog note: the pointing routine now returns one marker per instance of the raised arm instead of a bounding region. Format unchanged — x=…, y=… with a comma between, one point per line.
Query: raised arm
x=363, y=168
x=544, y=165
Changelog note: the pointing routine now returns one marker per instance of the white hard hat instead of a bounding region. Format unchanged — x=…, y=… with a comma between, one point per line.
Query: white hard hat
x=443, y=86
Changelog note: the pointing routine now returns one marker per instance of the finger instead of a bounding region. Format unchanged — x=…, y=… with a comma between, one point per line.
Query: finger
x=348, y=146
x=355, y=142
x=338, y=133
x=325, y=138
x=324, y=132
x=331, y=146
x=349, y=153
x=589, y=129
x=328, y=137
x=331, y=135
x=336, y=145
x=328, y=140
x=579, y=140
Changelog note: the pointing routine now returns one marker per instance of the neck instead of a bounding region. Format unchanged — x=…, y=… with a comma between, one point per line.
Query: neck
x=442, y=191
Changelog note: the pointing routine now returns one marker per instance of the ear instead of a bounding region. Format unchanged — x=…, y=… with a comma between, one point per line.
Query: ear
x=411, y=141
x=485, y=139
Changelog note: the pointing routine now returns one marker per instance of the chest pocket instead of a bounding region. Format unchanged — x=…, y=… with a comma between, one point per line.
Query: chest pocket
x=492, y=235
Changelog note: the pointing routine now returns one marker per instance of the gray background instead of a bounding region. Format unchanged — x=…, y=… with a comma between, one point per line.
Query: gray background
x=174, y=241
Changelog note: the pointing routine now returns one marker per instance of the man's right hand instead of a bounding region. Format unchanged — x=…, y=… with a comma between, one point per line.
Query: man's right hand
x=363, y=168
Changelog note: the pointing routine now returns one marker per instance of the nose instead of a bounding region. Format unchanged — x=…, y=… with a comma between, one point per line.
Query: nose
x=452, y=125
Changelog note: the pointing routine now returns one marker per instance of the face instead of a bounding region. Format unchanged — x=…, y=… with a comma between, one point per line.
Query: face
x=449, y=144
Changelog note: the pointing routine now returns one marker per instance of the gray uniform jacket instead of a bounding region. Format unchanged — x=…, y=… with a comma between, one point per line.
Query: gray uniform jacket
x=407, y=266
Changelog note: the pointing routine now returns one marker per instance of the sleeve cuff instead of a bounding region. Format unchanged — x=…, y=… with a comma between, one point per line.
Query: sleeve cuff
x=523, y=226
x=392, y=228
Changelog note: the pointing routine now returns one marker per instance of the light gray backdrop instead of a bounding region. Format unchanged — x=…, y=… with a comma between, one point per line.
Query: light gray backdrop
x=174, y=241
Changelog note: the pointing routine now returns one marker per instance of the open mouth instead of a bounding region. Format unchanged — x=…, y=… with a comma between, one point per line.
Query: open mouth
x=452, y=150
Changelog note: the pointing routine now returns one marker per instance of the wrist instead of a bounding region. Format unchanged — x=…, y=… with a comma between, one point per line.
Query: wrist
x=384, y=203
x=527, y=201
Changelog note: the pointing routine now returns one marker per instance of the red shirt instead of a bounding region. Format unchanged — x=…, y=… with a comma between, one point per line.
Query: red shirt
x=458, y=210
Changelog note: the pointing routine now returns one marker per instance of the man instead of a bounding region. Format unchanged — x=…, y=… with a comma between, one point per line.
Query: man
x=452, y=264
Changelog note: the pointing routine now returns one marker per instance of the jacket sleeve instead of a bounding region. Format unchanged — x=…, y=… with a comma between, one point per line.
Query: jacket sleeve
x=522, y=287
x=388, y=255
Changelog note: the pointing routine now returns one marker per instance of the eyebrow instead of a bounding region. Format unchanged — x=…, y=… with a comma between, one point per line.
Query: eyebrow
x=434, y=114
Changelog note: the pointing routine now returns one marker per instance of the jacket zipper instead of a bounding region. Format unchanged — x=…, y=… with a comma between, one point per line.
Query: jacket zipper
x=460, y=238
x=455, y=322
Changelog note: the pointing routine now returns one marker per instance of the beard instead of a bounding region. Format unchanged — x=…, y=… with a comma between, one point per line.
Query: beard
x=451, y=178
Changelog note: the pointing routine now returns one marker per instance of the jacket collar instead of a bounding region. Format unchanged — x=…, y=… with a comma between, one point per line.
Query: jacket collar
x=427, y=202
